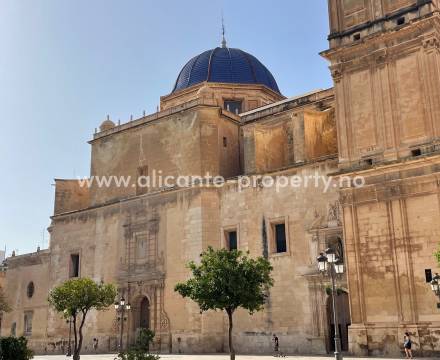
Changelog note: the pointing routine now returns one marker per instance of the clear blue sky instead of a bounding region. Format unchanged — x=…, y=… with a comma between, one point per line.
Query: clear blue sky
x=65, y=65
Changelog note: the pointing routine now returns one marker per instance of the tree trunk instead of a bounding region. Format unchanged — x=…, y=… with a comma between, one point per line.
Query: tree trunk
x=78, y=345
x=75, y=354
x=231, y=345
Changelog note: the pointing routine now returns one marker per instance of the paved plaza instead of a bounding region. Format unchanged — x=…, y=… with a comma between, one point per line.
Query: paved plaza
x=206, y=357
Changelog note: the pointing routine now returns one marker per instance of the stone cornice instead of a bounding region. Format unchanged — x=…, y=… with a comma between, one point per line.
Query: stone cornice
x=387, y=17
x=296, y=103
x=282, y=171
x=395, y=182
x=373, y=42
x=31, y=259
x=161, y=116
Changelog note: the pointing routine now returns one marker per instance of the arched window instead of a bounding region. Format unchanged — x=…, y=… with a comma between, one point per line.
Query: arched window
x=30, y=289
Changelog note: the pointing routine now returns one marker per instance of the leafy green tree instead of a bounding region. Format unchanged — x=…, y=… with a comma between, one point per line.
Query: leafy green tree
x=227, y=280
x=75, y=298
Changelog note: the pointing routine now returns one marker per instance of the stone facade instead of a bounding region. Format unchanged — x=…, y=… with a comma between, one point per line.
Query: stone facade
x=381, y=121
x=385, y=61
x=141, y=239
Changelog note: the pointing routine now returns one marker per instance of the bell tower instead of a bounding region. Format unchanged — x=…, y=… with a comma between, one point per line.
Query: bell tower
x=385, y=62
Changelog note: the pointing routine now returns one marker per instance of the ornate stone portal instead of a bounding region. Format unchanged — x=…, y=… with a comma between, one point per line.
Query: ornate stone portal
x=142, y=277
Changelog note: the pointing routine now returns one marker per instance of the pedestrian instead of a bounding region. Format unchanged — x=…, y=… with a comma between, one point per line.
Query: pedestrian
x=95, y=344
x=407, y=343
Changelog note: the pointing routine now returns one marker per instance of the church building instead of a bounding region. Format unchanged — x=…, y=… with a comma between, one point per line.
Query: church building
x=226, y=117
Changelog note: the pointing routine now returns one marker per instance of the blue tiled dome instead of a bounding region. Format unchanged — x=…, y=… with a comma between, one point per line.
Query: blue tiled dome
x=225, y=65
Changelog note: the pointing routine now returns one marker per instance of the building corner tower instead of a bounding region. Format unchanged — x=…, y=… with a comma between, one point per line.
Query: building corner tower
x=385, y=63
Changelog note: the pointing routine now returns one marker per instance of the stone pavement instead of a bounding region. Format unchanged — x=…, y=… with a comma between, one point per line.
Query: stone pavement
x=203, y=357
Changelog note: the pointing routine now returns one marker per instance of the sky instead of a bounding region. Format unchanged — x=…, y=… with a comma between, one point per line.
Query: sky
x=65, y=65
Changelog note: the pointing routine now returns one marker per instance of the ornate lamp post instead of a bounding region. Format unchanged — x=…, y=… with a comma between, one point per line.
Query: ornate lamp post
x=435, y=285
x=121, y=308
x=330, y=264
x=69, y=321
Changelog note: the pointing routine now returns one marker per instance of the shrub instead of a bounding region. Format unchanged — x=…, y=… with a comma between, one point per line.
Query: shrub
x=12, y=348
x=145, y=338
x=137, y=355
x=141, y=350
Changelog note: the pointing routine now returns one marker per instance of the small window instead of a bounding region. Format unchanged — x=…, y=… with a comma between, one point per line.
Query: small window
x=231, y=240
x=416, y=152
x=74, y=265
x=428, y=275
x=14, y=329
x=28, y=323
x=30, y=290
x=368, y=162
x=225, y=142
x=400, y=21
x=233, y=106
x=356, y=37
x=280, y=238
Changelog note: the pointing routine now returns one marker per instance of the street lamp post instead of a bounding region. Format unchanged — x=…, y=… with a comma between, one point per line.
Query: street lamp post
x=69, y=321
x=121, y=308
x=330, y=264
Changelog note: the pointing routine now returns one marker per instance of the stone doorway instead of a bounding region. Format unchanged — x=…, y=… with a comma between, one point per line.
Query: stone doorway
x=343, y=319
x=140, y=317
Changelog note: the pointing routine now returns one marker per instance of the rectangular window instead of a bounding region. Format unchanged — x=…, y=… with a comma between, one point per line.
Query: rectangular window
x=74, y=265
x=28, y=323
x=225, y=142
x=14, y=329
x=231, y=239
x=416, y=152
x=280, y=238
x=428, y=275
x=233, y=106
x=401, y=21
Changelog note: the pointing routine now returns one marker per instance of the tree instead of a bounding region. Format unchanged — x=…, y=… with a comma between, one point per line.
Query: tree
x=227, y=280
x=75, y=298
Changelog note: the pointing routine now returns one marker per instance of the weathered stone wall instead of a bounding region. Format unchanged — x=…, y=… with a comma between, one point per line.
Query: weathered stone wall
x=22, y=270
x=294, y=310
x=288, y=133
x=185, y=143
x=391, y=234
x=70, y=196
